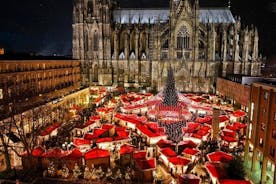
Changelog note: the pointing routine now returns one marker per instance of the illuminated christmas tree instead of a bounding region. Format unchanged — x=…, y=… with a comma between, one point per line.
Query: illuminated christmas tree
x=170, y=94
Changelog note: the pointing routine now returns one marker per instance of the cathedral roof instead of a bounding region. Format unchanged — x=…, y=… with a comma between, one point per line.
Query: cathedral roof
x=206, y=15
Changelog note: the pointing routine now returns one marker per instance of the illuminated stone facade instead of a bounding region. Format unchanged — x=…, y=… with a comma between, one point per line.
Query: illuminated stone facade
x=134, y=47
x=28, y=83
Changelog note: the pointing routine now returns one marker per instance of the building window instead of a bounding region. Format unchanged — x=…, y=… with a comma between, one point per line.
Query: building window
x=272, y=151
x=183, y=38
x=266, y=95
x=252, y=111
x=274, y=116
x=262, y=126
x=274, y=134
x=96, y=42
x=261, y=143
x=250, y=130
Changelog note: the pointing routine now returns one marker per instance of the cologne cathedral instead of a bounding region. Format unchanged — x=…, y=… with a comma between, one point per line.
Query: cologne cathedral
x=133, y=46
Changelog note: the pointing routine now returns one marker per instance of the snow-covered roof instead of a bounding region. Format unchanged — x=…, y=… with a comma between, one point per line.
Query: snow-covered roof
x=144, y=16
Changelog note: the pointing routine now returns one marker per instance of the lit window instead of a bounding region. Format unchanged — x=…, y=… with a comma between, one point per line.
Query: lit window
x=262, y=126
x=261, y=142
x=250, y=130
x=274, y=134
x=266, y=95
x=274, y=116
x=252, y=111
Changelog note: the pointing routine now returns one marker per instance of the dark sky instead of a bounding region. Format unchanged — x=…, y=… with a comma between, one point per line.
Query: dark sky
x=44, y=26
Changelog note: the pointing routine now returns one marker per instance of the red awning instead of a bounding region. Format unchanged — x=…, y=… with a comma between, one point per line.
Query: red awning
x=179, y=161
x=168, y=152
x=239, y=113
x=229, y=139
x=50, y=129
x=190, y=151
x=144, y=164
x=139, y=155
x=105, y=139
x=229, y=133
x=75, y=154
x=38, y=151
x=223, y=118
x=212, y=170
x=80, y=141
x=55, y=153
x=96, y=153
x=188, y=144
x=219, y=156
x=164, y=143
x=126, y=149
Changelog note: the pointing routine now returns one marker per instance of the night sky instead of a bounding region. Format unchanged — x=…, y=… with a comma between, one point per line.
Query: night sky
x=44, y=26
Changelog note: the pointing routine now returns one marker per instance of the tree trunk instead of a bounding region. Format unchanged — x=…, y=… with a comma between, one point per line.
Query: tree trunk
x=6, y=153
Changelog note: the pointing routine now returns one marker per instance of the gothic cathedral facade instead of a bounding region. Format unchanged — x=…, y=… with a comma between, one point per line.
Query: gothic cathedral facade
x=133, y=47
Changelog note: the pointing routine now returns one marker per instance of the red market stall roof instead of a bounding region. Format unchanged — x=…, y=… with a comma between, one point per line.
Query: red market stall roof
x=212, y=170
x=189, y=178
x=126, y=149
x=96, y=153
x=231, y=127
x=80, y=141
x=74, y=155
x=55, y=153
x=168, y=152
x=38, y=151
x=107, y=126
x=239, y=113
x=229, y=181
x=203, y=120
x=223, y=118
x=164, y=143
x=239, y=125
x=144, y=164
x=188, y=144
x=190, y=151
x=94, y=118
x=229, y=139
x=49, y=129
x=219, y=156
x=179, y=161
x=145, y=130
x=96, y=134
x=139, y=155
x=105, y=139
x=229, y=133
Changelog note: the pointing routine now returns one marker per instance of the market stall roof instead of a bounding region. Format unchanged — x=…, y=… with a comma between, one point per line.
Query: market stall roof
x=96, y=153
x=228, y=138
x=55, y=153
x=190, y=151
x=50, y=129
x=239, y=113
x=38, y=151
x=168, y=152
x=188, y=144
x=139, y=154
x=75, y=154
x=179, y=161
x=105, y=139
x=144, y=164
x=164, y=143
x=81, y=141
x=126, y=149
x=219, y=156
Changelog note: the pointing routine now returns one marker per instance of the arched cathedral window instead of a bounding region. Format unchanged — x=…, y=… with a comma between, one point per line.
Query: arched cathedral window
x=96, y=42
x=90, y=7
x=183, y=38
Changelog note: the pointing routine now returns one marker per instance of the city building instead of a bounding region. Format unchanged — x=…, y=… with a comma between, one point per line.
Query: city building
x=28, y=83
x=261, y=140
x=121, y=44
